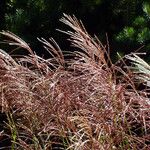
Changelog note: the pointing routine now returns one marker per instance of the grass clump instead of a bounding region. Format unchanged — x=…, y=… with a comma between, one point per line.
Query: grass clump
x=83, y=103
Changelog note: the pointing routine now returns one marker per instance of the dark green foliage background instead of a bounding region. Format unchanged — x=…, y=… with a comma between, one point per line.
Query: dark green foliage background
x=126, y=22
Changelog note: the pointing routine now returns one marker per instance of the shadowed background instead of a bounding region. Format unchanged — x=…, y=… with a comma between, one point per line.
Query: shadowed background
x=126, y=22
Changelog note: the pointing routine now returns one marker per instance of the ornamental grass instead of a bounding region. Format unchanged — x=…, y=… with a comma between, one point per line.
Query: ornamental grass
x=84, y=102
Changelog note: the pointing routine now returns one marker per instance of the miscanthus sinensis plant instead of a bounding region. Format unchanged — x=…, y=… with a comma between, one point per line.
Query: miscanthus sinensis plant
x=82, y=103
